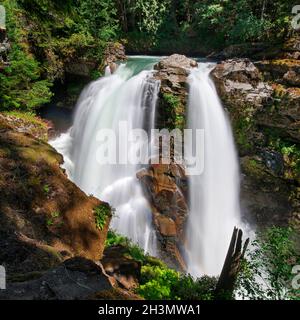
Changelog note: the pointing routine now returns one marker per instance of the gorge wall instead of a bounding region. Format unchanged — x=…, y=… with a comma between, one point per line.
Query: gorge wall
x=262, y=99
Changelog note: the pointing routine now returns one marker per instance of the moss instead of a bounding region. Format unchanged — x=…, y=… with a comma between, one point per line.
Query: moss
x=27, y=122
x=253, y=167
x=286, y=62
x=242, y=127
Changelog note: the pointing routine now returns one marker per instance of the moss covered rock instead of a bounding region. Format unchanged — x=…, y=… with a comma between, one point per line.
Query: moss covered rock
x=44, y=217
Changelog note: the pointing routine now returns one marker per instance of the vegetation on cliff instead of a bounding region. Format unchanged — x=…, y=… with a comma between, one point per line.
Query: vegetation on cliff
x=45, y=37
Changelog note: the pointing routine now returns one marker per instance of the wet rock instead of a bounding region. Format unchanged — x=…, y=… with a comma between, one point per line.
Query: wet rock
x=274, y=161
x=166, y=189
x=172, y=72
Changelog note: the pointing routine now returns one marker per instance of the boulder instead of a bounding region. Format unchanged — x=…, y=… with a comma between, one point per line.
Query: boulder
x=172, y=72
x=74, y=279
x=243, y=93
x=239, y=82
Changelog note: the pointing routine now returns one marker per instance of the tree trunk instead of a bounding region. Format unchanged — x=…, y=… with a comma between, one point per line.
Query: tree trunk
x=231, y=267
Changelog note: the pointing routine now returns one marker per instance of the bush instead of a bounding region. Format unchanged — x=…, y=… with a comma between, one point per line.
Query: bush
x=266, y=272
x=102, y=213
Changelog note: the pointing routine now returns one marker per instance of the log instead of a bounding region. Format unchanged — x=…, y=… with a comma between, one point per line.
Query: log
x=231, y=267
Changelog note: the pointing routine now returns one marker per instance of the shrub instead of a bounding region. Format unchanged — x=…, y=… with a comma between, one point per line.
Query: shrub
x=266, y=272
x=101, y=213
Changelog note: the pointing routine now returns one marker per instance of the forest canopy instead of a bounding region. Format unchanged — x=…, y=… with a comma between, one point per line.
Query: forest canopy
x=47, y=34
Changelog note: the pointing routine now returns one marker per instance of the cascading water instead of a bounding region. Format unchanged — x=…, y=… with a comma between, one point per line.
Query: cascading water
x=129, y=95
x=214, y=195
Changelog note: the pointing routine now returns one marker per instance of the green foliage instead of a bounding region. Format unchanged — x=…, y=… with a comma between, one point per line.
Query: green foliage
x=157, y=283
x=150, y=14
x=54, y=216
x=216, y=23
x=20, y=83
x=101, y=213
x=133, y=250
x=266, y=272
x=46, y=189
x=175, y=111
x=289, y=151
x=162, y=283
x=115, y=239
x=171, y=100
x=45, y=36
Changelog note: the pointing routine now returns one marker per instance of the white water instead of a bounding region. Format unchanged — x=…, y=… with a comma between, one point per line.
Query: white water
x=122, y=96
x=214, y=195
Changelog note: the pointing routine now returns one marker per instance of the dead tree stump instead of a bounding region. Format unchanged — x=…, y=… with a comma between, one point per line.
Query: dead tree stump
x=231, y=267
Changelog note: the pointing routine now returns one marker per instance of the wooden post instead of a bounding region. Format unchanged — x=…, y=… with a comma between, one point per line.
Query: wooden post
x=231, y=267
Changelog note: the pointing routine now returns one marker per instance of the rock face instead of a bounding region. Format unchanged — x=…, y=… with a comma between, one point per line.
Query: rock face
x=172, y=73
x=81, y=67
x=241, y=82
x=44, y=217
x=241, y=89
x=265, y=119
x=166, y=189
x=113, y=53
x=284, y=71
x=284, y=115
x=75, y=279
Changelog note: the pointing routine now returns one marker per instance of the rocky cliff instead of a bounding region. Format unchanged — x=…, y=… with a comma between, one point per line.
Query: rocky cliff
x=44, y=218
x=263, y=102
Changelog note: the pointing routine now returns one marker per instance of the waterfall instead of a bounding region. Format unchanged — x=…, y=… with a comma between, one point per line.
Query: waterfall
x=214, y=195
x=130, y=95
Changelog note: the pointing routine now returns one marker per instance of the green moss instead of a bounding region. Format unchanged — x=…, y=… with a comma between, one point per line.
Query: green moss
x=253, y=168
x=242, y=128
